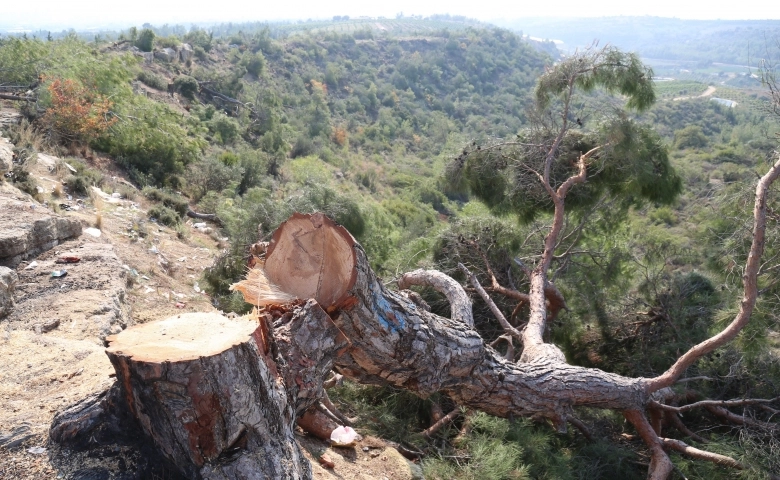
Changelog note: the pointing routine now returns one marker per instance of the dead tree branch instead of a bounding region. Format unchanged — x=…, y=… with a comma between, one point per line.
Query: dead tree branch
x=660, y=464
x=750, y=282
x=716, y=458
x=431, y=431
x=204, y=216
x=713, y=403
x=5, y=96
x=509, y=329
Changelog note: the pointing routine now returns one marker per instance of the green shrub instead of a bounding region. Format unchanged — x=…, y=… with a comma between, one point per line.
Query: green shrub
x=24, y=181
x=79, y=184
x=187, y=86
x=303, y=147
x=171, y=200
x=171, y=41
x=225, y=129
x=664, y=215
x=211, y=175
x=254, y=63
x=256, y=166
x=229, y=158
x=152, y=143
x=127, y=192
x=145, y=40
x=691, y=136
x=199, y=39
x=153, y=80
x=84, y=178
x=199, y=52
x=164, y=215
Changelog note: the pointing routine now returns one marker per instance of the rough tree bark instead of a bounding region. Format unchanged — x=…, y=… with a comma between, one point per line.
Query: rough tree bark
x=394, y=342
x=220, y=397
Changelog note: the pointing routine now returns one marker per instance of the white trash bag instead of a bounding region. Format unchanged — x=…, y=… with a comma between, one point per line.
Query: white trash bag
x=344, y=436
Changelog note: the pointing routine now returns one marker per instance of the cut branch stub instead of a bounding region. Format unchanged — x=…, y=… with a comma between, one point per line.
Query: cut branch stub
x=310, y=256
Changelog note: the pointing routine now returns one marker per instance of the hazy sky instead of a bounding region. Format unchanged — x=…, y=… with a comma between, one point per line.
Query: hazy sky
x=94, y=13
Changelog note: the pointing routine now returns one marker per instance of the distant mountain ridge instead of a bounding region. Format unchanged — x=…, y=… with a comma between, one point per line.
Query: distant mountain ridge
x=740, y=42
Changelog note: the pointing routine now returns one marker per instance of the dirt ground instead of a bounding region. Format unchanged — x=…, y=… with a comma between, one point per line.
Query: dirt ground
x=135, y=271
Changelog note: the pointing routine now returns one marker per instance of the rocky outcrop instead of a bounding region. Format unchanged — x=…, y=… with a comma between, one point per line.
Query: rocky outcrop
x=27, y=228
x=185, y=54
x=166, y=54
x=147, y=56
x=9, y=117
x=90, y=298
x=6, y=156
x=8, y=281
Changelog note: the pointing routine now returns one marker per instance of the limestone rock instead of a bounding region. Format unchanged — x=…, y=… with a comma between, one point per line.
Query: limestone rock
x=8, y=281
x=6, y=156
x=90, y=300
x=185, y=53
x=30, y=229
x=9, y=116
x=166, y=54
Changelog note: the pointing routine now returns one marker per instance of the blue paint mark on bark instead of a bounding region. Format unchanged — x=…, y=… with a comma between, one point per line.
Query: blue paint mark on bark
x=384, y=312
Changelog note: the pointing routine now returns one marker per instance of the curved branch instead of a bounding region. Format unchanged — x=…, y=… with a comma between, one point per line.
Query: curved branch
x=533, y=334
x=716, y=458
x=739, y=419
x=660, y=464
x=750, y=282
x=431, y=431
x=460, y=304
x=672, y=418
x=580, y=176
x=555, y=300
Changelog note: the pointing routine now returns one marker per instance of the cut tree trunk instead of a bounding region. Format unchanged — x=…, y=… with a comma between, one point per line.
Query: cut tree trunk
x=220, y=397
x=394, y=342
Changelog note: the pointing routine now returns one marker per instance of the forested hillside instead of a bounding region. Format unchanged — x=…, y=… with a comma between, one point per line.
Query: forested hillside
x=413, y=141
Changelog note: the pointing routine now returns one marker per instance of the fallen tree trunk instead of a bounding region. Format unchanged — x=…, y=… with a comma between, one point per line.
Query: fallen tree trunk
x=204, y=216
x=394, y=342
x=5, y=96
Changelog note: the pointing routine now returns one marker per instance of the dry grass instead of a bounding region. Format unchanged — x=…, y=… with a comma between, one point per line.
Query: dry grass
x=57, y=191
x=24, y=135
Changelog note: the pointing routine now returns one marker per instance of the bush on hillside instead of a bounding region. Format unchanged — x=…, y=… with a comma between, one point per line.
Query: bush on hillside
x=254, y=63
x=187, y=86
x=171, y=200
x=225, y=129
x=145, y=41
x=164, y=215
x=153, y=80
x=211, y=175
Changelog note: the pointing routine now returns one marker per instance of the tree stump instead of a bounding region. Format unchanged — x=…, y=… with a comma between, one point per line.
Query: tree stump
x=218, y=396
